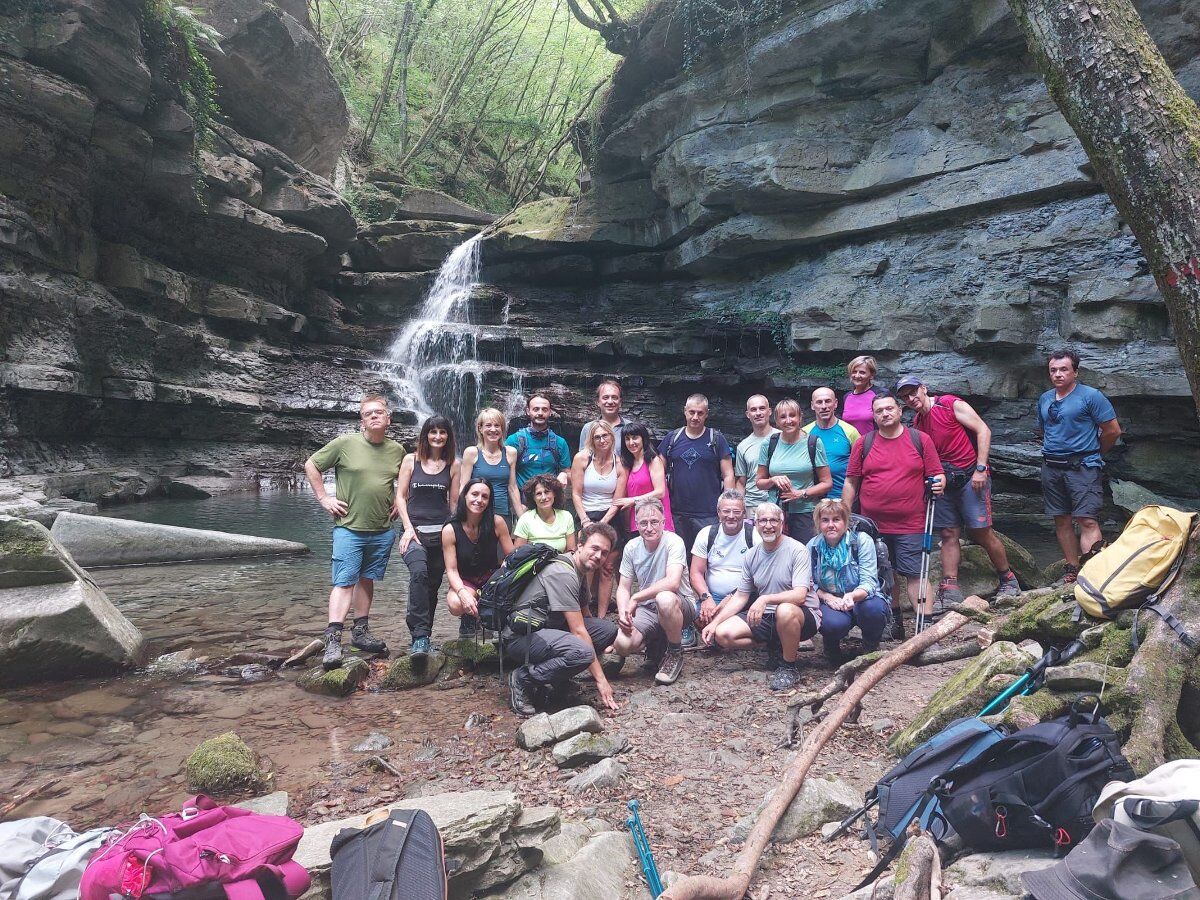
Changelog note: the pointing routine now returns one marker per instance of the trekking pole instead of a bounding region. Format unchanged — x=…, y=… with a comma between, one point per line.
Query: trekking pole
x=645, y=855
x=926, y=552
x=1032, y=680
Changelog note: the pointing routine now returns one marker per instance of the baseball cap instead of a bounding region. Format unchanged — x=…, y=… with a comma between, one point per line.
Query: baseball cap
x=908, y=381
x=1117, y=862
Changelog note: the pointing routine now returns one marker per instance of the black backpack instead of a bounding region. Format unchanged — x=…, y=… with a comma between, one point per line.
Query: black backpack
x=883, y=559
x=400, y=858
x=1036, y=788
x=918, y=442
x=669, y=462
x=747, y=533
x=499, y=598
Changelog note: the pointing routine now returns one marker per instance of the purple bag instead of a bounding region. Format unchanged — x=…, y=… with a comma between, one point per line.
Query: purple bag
x=204, y=845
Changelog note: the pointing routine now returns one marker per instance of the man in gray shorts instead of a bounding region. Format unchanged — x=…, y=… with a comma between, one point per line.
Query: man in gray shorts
x=778, y=573
x=1078, y=426
x=572, y=640
x=654, y=617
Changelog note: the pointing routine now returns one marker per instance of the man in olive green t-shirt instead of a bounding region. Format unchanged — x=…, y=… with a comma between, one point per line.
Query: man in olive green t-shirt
x=365, y=464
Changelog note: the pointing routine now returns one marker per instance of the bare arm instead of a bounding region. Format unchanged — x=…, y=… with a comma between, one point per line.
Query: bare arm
x=698, y=573
x=516, y=507
x=669, y=582
x=850, y=490
x=973, y=422
x=727, y=472
x=503, y=537
x=822, y=484
x=450, y=555
x=622, y=479
x=316, y=481
x=1109, y=432
x=625, y=604
x=578, y=467
x=455, y=482
x=403, y=484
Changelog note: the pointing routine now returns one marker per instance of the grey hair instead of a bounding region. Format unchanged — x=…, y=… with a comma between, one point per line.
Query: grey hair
x=696, y=398
x=766, y=507
x=647, y=503
x=733, y=494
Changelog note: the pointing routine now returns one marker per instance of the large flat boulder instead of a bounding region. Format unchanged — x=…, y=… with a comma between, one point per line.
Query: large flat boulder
x=55, y=623
x=104, y=541
x=393, y=200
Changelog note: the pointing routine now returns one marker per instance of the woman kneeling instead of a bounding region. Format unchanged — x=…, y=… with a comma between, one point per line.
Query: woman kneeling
x=473, y=543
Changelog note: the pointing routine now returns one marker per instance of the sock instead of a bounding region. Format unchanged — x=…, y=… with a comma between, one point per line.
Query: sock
x=360, y=623
x=1006, y=575
x=950, y=579
x=788, y=664
x=334, y=629
x=671, y=646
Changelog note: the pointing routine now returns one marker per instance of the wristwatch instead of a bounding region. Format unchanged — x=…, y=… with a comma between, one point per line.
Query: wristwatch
x=706, y=596
x=981, y=468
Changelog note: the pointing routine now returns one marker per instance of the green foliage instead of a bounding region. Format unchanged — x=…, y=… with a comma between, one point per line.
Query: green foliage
x=530, y=77
x=19, y=18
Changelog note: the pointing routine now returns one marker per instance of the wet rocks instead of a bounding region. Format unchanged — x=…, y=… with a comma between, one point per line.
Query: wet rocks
x=224, y=765
x=372, y=743
x=338, y=682
x=603, y=775
x=409, y=672
x=55, y=623
x=583, y=749
x=820, y=800
x=105, y=541
x=472, y=654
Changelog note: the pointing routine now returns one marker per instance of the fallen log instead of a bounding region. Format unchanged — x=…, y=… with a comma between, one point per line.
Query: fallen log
x=733, y=887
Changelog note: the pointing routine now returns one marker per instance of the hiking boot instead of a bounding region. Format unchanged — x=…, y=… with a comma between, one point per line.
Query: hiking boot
x=833, y=651
x=949, y=594
x=786, y=677
x=521, y=692
x=897, y=630
x=672, y=666
x=367, y=642
x=690, y=640
x=1069, y=576
x=333, y=651
x=1009, y=587
x=654, y=656
x=420, y=648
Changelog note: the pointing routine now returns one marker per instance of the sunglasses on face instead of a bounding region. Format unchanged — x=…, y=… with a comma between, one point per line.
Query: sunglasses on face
x=1054, y=413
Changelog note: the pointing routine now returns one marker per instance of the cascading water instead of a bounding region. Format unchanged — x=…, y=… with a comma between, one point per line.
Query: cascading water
x=433, y=364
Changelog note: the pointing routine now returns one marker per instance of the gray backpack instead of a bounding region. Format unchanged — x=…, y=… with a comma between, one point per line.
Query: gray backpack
x=43, y=859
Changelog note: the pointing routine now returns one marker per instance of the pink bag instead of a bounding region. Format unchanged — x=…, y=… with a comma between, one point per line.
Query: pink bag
x=203, y=845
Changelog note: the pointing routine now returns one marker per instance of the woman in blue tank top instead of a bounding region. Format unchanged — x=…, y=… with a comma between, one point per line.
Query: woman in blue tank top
x=492, y=460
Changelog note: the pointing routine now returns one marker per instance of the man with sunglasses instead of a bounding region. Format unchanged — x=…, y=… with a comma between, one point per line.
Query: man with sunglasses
x=1078, y=425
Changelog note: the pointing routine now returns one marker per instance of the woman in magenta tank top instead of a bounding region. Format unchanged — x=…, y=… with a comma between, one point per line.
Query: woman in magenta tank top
x=647, y=474
x=856, y=406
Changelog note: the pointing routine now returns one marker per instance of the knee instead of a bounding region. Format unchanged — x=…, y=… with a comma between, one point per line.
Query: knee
x=668, y=602
x=787, y=614
x=577, y=653
x=949, y=534
x=725, y=638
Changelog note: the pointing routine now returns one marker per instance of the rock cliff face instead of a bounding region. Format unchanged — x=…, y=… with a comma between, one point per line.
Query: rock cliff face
x=856, y=177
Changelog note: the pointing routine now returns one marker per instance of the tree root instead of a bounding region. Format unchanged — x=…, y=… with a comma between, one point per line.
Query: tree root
x=699, y=887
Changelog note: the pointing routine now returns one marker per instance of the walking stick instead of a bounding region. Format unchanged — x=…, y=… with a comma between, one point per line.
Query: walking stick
x=645, y=855
x=926, y=552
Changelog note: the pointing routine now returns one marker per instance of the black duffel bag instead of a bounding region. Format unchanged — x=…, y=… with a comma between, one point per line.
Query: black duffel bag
x=400, y=858
x=1035, y=788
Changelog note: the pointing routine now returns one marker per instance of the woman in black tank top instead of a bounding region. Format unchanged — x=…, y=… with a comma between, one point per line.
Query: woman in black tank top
x=473, y=543
x=426, y=491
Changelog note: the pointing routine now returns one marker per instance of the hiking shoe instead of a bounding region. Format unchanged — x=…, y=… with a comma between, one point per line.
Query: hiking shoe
x=949, y=594
x=420, y=648
x=1069, y=576
x=672, y=666
x=897, y=631
x=1009, y=587
x=654, y=656
x=521, y=692
x=832, y=650
x=786, y=677
x=690, y=640
x=333, y=652
x=367, y=642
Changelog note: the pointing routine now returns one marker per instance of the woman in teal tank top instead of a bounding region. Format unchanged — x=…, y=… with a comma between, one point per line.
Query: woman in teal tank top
x=492, y=460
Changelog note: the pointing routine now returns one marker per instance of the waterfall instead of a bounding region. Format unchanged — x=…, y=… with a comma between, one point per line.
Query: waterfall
x=433, y=364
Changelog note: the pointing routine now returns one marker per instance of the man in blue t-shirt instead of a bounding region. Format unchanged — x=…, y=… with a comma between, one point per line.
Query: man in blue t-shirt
x=1078, y=425
x=539, y=450
x=699, y=466
x=837, y=436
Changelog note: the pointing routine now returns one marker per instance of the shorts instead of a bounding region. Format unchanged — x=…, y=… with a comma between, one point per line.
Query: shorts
x=475, y=584
x=905, y=552
x=360, y=554
x=645, y=617
x=1073, y=492
x=963, y=508
x=617, y=522
x=765, y=631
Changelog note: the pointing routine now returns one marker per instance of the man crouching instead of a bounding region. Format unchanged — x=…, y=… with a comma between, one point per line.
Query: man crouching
x=571, y=640
x=779, y=574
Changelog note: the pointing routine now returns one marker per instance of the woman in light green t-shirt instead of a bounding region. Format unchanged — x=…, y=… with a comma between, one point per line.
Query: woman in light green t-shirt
x=544, y=522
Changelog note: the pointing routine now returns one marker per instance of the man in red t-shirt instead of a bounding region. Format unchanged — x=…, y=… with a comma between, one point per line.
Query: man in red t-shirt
x=889, y=484
x=962, y=440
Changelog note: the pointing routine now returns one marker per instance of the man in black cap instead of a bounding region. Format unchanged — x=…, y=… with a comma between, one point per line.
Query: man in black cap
x=1117, y=862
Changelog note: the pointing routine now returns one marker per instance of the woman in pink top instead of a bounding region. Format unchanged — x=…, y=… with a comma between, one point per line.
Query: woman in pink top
x=647, y=473
x=856, y=406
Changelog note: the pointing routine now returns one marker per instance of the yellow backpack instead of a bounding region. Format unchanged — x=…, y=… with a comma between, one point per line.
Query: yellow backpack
x=1138, y=567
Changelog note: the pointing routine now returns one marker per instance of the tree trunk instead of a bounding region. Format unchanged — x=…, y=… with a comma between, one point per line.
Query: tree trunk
x=385, y=89
x=1141, y=132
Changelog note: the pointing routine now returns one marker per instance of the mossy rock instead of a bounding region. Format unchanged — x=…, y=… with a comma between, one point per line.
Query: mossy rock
x=29, y=556
x=966, y=693
x=1047, y=616
x=224, y=765
x=472, y=654
x=336, y=682
x=407, y=672
x=1054, y=571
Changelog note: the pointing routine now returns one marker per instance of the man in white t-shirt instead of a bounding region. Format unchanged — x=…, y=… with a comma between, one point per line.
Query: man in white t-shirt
x=717, y=555
x=654, y=617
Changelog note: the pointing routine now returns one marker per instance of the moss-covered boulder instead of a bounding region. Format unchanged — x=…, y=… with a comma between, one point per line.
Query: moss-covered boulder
x=471, y=654
x=29, y=556
x=224, y=765
x=407, y=672
x=966, y=693
x=335, y=682
x=1047, y=616
x=976, y=575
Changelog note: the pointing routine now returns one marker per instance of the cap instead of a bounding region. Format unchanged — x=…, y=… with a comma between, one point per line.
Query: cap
x=908, y=381
x=1117, y=862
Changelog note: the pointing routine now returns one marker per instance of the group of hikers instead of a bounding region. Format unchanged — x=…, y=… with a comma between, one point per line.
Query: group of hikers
x=796, y=531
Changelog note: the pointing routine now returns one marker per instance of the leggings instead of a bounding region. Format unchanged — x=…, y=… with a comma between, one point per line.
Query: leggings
x=426, y=566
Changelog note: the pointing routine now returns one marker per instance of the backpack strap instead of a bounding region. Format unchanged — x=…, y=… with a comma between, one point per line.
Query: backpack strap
x=749, y=532
x=670, y=461
x=1173, y=623
x=522, y=445
x=772, y=443
x=812, y=452
x=293, y=877
x=923, y=804
x=868, y=440
x=915, y=437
